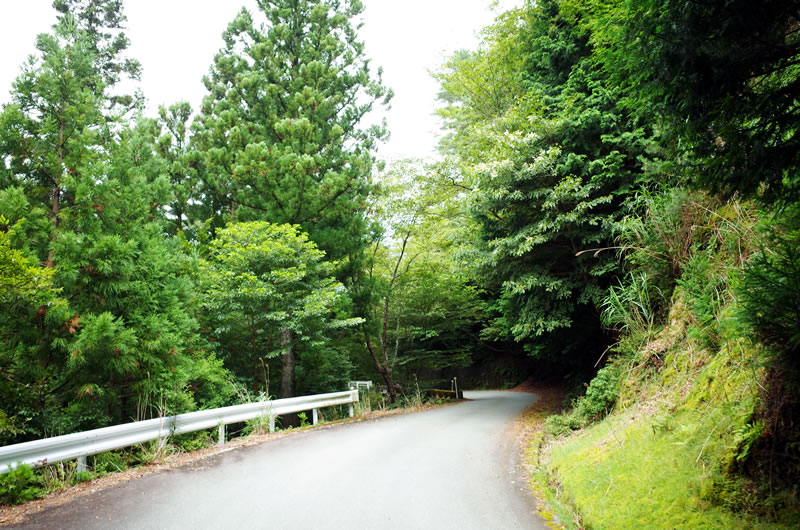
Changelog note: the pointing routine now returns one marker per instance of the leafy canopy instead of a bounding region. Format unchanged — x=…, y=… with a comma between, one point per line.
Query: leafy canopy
x=261, y=279
x=552, y=170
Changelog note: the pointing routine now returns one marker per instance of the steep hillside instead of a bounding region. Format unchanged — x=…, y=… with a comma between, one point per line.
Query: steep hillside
x=688, y=425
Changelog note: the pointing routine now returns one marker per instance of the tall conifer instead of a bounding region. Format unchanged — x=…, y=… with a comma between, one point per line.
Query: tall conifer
x=282, y=131
x=282, y=128
x=125, y=334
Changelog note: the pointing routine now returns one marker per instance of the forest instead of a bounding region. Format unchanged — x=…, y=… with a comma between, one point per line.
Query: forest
x=608, y=168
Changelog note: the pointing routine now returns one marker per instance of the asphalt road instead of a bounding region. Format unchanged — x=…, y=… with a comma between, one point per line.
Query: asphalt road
x=450, y=467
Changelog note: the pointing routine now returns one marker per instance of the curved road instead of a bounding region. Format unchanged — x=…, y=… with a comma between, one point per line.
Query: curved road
x=450, y=467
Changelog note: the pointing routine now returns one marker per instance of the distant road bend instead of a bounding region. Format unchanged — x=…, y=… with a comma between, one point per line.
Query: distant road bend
x=450, y=467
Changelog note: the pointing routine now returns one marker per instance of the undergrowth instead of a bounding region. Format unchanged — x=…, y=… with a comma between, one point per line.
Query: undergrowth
x=24, y=484
x=689, y=422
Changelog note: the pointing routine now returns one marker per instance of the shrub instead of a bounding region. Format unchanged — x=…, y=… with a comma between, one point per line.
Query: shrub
x=601, y=393
x=769, y=290
x=19, y=485
x=559, y=424
x=600, y=397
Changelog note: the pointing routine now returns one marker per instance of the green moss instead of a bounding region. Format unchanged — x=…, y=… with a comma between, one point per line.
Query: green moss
x=666, y=456
x=686, y=443
x=622, y=473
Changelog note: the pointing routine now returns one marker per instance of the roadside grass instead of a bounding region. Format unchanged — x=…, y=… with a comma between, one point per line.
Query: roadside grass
x=671, y=452
x=555, y=513
x=621, y=473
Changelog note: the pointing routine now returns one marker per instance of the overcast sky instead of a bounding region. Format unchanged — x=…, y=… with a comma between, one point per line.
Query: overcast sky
x=176, y=41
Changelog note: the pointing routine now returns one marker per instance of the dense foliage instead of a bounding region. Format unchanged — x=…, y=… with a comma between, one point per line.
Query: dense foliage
x=600, y=142
x=423, y=309
x=722, y=74
x=280, y=135
x=266, y=290
x=605, y=164
x=115, y=331
x=124, y=238
x=565, y=158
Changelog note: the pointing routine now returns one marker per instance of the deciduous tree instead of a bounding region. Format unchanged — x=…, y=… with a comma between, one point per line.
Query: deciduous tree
x=270, y=285
x=421, y=302
x=551, y=176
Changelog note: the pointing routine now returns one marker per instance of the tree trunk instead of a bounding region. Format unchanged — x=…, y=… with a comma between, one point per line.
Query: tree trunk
x=56, y=209
x=383, y=370
x=287, y=371
x=54, y=233
x=287, y=374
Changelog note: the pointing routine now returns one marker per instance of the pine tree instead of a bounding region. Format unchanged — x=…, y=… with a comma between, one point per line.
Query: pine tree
x=128, y=285
x=281, y=133
x=103, y=23
x=27, y=294
x=54, y=132
x=282, y=129
x=181, y=165
x=88, y=202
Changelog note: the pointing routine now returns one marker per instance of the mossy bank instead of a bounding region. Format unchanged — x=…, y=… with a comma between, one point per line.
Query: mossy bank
x=688, y=423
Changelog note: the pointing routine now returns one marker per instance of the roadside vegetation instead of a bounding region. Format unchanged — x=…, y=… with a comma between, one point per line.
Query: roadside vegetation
x=687, y=402
x=616, y=207
x=635, y=185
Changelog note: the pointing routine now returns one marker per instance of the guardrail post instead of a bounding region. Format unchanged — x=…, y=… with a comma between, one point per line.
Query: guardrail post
x=272, y=423
x=82, y=464
x=221, y=434
x=314, y=416
x=350, y=409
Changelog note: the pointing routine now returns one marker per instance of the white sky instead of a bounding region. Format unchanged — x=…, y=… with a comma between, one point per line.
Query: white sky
x=176, y=41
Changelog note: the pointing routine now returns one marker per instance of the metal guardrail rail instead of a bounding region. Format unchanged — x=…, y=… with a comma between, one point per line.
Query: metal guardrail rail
x=357, y=385
x=82, y=444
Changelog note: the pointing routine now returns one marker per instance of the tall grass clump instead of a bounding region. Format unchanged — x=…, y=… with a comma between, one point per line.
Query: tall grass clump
x=631, y=305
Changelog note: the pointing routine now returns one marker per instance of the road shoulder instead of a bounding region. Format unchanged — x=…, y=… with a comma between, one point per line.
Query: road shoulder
x=14, y=515
x=529, y=430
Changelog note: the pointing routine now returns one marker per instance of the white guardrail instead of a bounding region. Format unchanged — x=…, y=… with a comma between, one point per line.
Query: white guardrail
x=358, y=385
x=82, y=444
